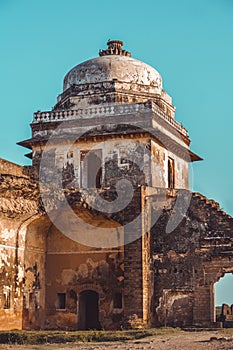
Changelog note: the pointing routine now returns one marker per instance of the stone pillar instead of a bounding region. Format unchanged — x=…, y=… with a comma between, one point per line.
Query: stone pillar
x=137, y=268
x=202, y=315
x=133, y=284
x=146, y=254
x=133, y=295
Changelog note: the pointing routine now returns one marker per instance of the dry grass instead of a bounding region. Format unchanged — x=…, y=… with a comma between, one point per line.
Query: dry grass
x=62, y=337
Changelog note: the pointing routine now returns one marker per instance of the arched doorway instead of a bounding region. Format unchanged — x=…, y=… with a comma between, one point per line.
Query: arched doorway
x=224, y=299
x=88, y=312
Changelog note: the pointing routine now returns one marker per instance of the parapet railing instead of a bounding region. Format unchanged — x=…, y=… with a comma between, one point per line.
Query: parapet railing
x=107, y=110
x=169, y=119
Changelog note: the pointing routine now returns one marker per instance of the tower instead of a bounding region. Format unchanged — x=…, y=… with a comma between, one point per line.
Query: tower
x=111, y=136
x=117, y=98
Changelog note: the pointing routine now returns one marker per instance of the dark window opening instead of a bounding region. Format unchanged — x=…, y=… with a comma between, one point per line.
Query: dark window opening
x=117, y=301
x=171, y=173
x=91, y=169
x=70, y=154
x=7, y=300
x=61, y=301
x=124, y=161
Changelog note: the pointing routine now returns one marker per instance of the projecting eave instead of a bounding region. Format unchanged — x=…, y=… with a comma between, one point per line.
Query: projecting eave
x=96, y=135
x=28, y=155
x=194, y=157
x=26, y=143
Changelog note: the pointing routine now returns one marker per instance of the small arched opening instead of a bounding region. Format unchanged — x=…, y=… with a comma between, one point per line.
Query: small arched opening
x=88, y=310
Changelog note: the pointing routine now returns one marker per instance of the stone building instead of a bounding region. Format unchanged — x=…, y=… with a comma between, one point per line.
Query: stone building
x=102, y=231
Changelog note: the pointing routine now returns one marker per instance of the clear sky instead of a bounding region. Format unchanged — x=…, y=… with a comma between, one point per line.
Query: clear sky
x=224, y=290
x=189, y=42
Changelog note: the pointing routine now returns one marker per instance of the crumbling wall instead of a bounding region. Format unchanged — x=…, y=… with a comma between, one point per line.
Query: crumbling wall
x=34, y=273
x=165, y=278
x=9, y=168
x=18, y=203
x=188, y=261
x=11, y=273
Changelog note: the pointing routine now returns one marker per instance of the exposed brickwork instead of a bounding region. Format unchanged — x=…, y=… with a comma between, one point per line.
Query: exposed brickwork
x=9, y=168
x=189, y=260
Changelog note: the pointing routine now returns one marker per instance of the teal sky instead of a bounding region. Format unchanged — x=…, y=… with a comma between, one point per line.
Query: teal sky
x=224, y=290
x=189, y=42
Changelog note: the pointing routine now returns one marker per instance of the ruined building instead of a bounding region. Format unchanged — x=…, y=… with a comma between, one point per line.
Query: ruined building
x=102, y=231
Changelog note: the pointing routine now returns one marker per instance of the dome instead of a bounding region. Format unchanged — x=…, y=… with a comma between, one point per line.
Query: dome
x=113, y=63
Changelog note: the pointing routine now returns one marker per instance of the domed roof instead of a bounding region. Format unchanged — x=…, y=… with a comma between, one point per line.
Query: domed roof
x=113, y=63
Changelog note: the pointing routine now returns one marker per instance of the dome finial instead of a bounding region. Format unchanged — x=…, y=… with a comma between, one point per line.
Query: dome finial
x=114, y=48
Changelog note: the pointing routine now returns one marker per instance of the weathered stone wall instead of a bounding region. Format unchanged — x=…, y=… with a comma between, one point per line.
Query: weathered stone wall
x=165, y=278
x=140, y=161
x=34, y=273
x=72, y=268
x=37, y=262
x=159, y=168
x=9, y=168
x=18, y=205
x=188, y=261
x=119, y=159
x=11, y=274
